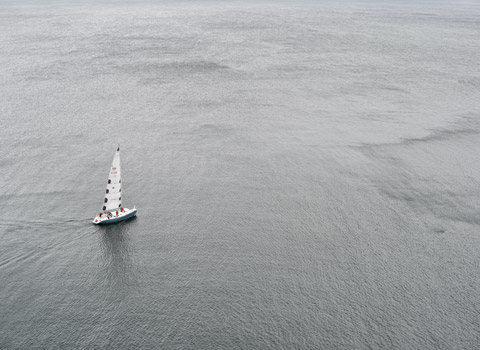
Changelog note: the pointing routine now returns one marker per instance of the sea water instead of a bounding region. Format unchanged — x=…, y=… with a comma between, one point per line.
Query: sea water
x=306, y=175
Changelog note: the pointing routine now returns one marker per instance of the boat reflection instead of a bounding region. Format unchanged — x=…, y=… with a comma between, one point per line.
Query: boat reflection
x=117, y=253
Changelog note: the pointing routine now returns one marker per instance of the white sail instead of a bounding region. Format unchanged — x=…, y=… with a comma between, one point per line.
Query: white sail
x=113, y=193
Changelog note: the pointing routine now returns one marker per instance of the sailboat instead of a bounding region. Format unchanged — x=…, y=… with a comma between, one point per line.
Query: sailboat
x=112, y=210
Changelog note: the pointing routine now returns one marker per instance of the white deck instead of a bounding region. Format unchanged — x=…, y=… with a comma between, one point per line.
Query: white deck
x=113, y=216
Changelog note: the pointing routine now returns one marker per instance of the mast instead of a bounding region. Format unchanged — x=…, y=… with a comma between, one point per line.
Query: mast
x=113, y=193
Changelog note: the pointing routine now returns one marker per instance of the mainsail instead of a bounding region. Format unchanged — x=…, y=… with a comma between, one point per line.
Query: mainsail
x=113, y=193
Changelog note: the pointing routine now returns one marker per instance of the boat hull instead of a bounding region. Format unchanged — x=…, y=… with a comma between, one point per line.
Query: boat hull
x=129, y=213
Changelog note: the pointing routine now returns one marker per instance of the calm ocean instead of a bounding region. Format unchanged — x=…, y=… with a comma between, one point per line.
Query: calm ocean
x=307, y=176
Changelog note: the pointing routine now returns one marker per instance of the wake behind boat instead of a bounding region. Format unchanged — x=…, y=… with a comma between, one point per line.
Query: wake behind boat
x=112, y=210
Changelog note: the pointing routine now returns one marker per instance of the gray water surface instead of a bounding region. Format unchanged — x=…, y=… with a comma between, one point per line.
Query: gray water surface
x=307, y=176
